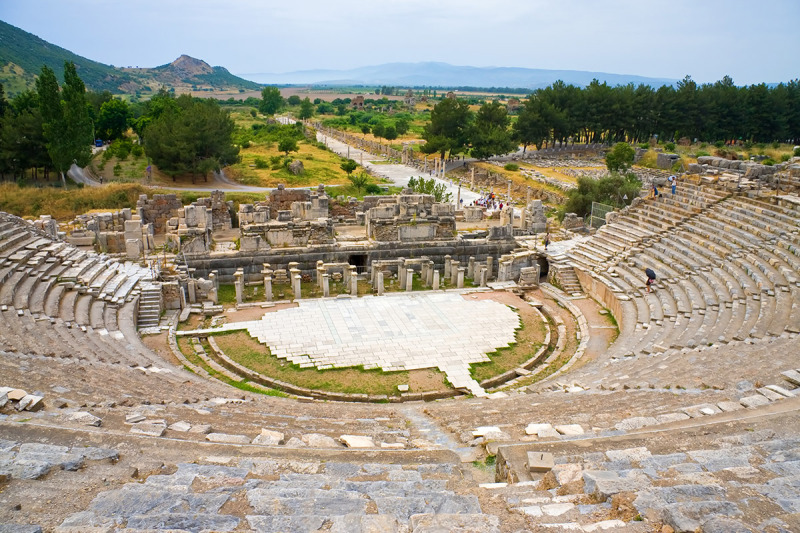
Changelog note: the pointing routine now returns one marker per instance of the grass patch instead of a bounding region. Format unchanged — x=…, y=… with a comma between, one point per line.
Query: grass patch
x=528, y=340
x=186, y=348
x=320, y=166
x=248, y=352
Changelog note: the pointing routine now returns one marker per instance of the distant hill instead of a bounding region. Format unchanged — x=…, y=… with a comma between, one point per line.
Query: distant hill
x=22, y=55
x=433, y=74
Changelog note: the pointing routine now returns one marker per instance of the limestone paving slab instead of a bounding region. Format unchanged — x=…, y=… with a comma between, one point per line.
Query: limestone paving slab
x=391, y=332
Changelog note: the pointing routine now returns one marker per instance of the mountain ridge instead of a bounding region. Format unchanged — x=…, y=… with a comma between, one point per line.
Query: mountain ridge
x=439, y=74
x=22, y=55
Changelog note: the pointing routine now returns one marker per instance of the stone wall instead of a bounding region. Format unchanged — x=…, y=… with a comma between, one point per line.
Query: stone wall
x=226, y=263
x=220, y=210
x=281, y=199
x=158, y=210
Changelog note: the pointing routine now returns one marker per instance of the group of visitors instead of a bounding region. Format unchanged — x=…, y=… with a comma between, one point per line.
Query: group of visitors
x=489, y=201
x=673, y=183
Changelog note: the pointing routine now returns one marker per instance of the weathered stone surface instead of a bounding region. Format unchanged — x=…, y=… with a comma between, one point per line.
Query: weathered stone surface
x=181, y=426
x=269, y=438
x=756, y=400
x=82, y=417
x=357, y=441
x=540, y=461
x=727, y=407
x=671, y=417
x=135, y=419
x=30, y=402
x=606, y=483
x=569, y=430
x=455, y=523
x=636, y=423
x=228, y=438
x=97, y=454
x=294, y=442
x=151, y=430
x=720, y=524
x=542, y=430
x=629, y=454
x=715, y=460
x=183, y=522
x=200, y=428
x=19, y=528
x=316, y=440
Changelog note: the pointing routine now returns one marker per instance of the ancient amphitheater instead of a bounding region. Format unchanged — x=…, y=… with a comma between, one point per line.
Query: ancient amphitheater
x=687, y=421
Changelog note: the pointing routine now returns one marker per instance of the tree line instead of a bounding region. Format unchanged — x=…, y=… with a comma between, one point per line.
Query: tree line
x=599, y=113
x=54, y=126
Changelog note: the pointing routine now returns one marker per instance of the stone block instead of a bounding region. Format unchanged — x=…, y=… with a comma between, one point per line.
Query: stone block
x=269, y=438
x=357, y=441
x=87, y=419
x=227, y=438
x=756, y=400
x=181, y=426
x=316, y=440
x=30, y=402
x=541, y=430
x=569, y=430
x=146, y=428
x=540, y=462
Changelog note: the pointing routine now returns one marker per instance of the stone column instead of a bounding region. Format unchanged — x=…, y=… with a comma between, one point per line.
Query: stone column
x=423, y=273
x=379, y=282
x=268, y=287
x=472, y=178
x=447, y=261
x=489, y=268
x=401, y=276
x=214, y=276
x=295, y=278
x=409, y=279
x=503, y=269
x=509, y=191
x=458, y=196
x=191, y=288
x=326, y=288
x=238, y=284
x=435, y=280
x=528, y=196
x=353, y=281
x=483, y=276
x=454, y=271
x=320, y=272
x=471, y=268
x=429, y=276
x=212, y=294
x=460, y=280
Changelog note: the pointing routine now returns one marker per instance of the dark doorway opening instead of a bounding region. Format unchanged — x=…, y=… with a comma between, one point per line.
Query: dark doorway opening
x=544, y=267
x=359, y=261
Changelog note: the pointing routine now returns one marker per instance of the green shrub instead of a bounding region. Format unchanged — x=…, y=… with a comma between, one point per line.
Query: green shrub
x=373, y=188
x=719, y=144
x=117, y=170
x=644, y=146
x=261, y=163
x=670, y=147
x=246, y=144
x=511, y=166
x=769, y=162
x=761, y=146
x=137, y=151
x=797, y=152
x=776, y=145
x=785, y=158
x=748, y=145
x=701, y=153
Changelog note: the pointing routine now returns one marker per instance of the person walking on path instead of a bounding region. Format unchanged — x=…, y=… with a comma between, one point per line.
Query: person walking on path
x=651, y=279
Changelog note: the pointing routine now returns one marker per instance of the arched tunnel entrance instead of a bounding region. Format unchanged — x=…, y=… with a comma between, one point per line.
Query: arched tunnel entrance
x=544, y=267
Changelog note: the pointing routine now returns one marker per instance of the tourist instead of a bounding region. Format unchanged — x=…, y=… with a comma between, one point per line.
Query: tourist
x=546, y=241
x=655, y=190
x=673, y=181
x=651, y=279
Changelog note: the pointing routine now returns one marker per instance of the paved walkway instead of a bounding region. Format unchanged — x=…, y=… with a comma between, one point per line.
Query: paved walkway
x=391, y=332
x=397, y=174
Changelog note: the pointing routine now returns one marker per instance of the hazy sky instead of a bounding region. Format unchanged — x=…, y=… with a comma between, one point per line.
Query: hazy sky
x=752, y=41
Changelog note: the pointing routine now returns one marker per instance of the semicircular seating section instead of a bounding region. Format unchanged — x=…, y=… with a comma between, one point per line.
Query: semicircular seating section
x=728, y=269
